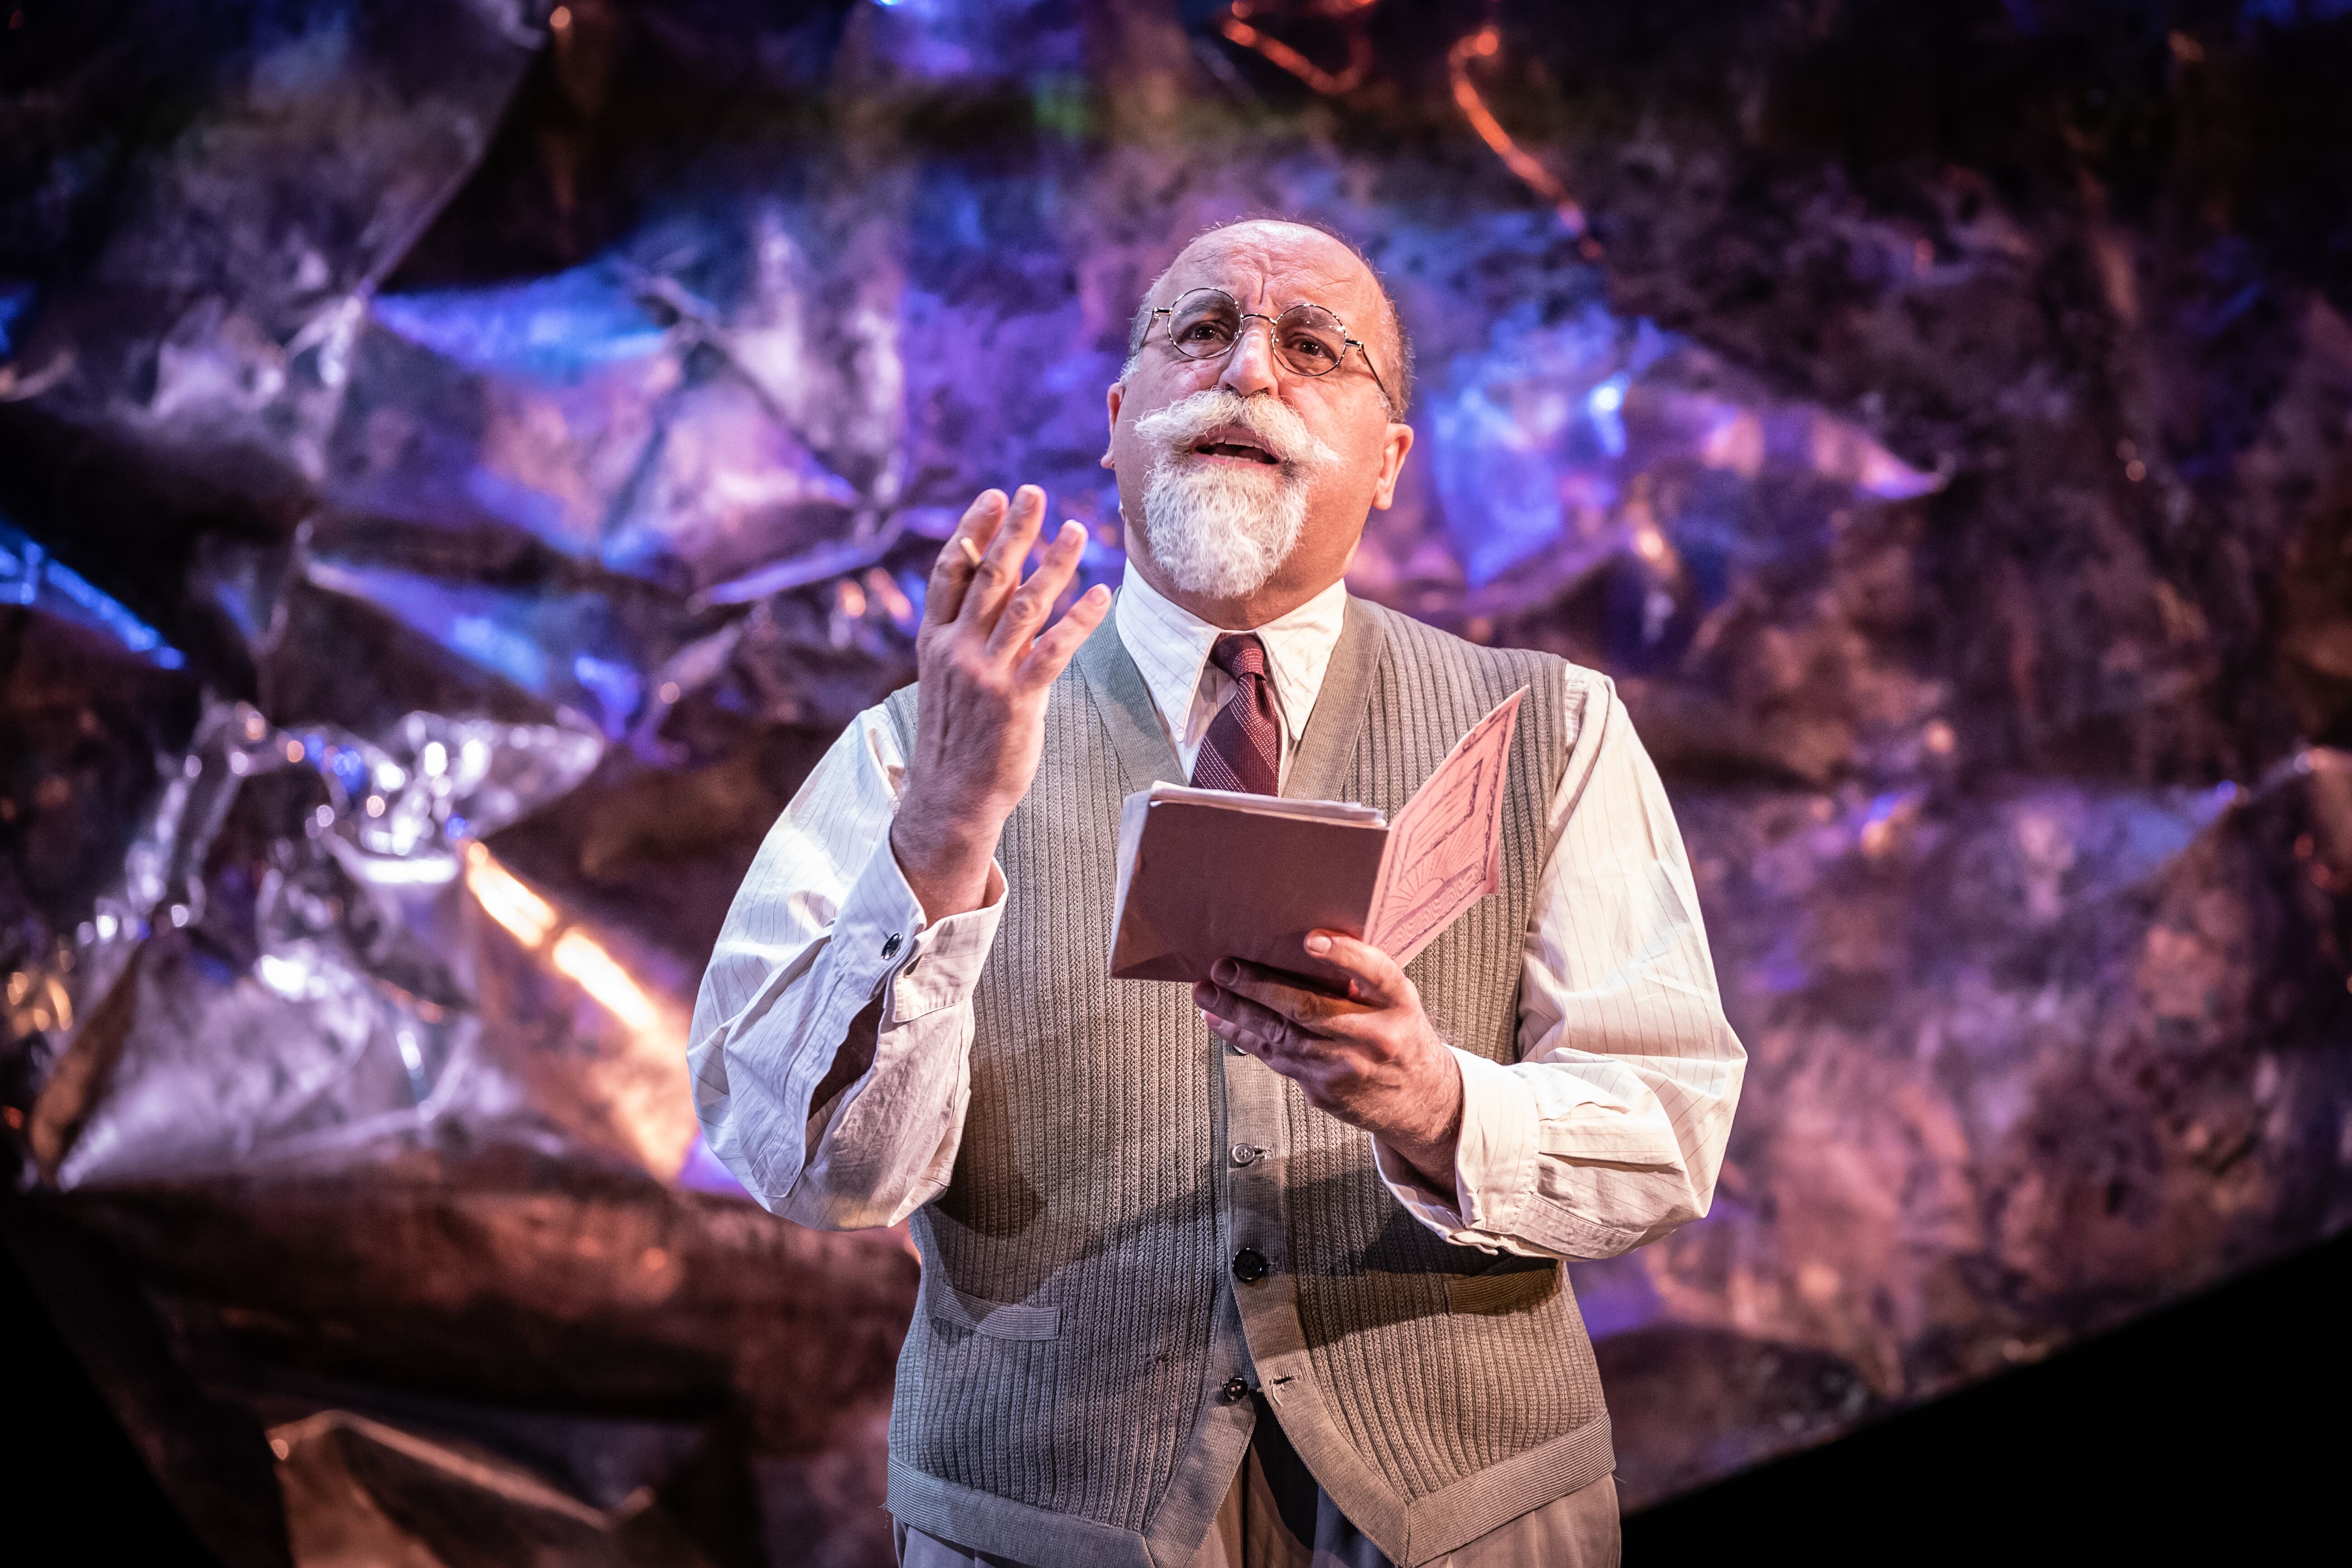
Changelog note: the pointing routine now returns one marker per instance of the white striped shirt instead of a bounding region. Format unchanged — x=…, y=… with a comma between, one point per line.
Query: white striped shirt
x=1608, y=1133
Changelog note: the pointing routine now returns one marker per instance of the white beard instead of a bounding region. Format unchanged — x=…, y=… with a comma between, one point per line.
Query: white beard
x=1220, y=528
x=1221, y=531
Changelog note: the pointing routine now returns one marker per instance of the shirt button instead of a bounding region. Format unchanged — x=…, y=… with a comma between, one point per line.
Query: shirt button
x=1235, y=1390
x=1249, y=1266
x=1247, y=1153
x=890, y=948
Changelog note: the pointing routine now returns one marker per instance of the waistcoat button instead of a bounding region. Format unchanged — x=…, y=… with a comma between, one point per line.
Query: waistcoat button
x=1235, y=1390
x=1249, y=1266
x=1247, y=1153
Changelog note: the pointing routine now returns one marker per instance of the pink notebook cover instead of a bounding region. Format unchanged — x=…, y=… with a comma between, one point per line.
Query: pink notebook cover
x=1205, y=874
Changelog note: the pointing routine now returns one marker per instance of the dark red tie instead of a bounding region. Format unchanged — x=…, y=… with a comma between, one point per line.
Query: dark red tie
x=1243, y=748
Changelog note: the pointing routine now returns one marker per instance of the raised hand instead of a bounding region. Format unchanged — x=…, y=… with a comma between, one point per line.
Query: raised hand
x=986, y=658
x=1371, y=1059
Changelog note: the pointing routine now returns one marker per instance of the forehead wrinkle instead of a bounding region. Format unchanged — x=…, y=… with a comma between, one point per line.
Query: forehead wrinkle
x=1341, y=284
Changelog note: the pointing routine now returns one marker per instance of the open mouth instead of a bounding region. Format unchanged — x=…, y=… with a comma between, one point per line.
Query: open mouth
x=1234, y=446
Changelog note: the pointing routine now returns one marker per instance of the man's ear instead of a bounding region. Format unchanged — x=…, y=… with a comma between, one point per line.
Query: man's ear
x=1394, y=445
x=1113, y=398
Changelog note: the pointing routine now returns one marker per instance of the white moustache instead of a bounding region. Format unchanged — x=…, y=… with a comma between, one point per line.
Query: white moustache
x=1267, y=422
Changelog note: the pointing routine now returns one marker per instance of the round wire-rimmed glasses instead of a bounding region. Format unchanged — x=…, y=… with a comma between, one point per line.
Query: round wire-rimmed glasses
x=1207, y=322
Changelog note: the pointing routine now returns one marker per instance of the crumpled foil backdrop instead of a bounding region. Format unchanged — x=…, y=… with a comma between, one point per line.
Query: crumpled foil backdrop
x=461, y=461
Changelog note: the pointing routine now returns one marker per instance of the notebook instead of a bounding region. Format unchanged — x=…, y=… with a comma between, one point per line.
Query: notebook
x=1209, y=874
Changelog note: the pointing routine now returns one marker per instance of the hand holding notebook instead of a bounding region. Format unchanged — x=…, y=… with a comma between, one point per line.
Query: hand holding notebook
x=1208, y=874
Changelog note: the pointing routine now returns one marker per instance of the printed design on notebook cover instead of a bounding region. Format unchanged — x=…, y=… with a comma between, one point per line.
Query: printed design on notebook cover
x=1446, y=846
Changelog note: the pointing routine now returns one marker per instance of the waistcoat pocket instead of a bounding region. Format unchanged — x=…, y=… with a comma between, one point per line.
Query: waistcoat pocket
x=996, y=1320
x=1508, y=1284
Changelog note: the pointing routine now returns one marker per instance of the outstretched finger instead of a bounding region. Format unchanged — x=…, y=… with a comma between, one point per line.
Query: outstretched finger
x=1374, y=979
x=1058, y=643
x=952, y=573
x=1027, y=609
x=999, y=572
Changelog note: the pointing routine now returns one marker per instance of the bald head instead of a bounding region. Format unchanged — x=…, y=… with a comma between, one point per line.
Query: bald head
x=1352, y=290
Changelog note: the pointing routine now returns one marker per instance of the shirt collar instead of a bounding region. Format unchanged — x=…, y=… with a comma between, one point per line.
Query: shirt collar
x=1170, y=646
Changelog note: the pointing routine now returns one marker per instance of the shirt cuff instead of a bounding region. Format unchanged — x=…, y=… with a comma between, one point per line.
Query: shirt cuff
x=1493, y=1160
x=925, y=964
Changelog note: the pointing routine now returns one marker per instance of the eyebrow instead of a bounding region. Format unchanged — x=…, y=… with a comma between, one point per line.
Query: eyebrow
x=1228, y=289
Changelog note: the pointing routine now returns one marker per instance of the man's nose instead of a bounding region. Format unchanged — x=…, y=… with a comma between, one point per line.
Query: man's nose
x=1249, y=368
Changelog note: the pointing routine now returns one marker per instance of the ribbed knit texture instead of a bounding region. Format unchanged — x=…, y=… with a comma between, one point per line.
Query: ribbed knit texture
x=1087, y=1178
x=1431, y=1397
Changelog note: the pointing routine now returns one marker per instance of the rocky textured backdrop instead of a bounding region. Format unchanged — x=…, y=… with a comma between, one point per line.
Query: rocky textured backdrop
x=461, y=460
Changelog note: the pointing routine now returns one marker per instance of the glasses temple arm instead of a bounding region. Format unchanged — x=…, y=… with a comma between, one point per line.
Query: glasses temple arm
x=1358, y=345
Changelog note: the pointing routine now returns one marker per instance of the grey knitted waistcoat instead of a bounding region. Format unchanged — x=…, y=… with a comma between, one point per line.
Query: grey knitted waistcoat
x=1074, y=1387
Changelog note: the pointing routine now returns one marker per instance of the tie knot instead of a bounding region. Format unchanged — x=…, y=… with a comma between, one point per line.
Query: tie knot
x=1241, y=656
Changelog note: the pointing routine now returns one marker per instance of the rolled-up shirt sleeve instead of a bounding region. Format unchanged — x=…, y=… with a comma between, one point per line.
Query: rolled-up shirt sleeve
x=823, y=930
x=1609, y=1131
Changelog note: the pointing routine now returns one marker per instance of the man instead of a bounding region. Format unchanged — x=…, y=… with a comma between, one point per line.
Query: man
x=1234, y=1273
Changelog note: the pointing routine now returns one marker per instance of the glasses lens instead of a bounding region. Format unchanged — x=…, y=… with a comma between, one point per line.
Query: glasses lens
x=1310, y=339
x=1204, y=324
